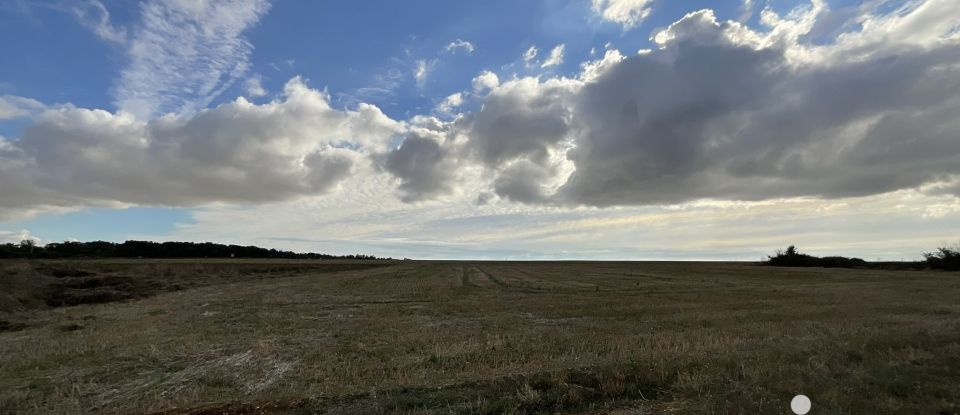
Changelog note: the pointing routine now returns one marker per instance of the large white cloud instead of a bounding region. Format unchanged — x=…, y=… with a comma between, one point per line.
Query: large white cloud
x=241, y=152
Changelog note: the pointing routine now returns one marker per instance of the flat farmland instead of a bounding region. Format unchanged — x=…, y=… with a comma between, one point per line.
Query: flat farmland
x=277, y=337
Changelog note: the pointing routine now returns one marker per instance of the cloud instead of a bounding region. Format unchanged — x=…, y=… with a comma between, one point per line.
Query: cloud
x=555, y=58
x=721, y=111
x=422, y=69
x=724, y=112
x=94, y=16
x=520, y=118
x=485, y=81
x=237, y=152
x=424, y=164
x=367, y=219
x=450, y=103
x=627, y=13
x=15, y=237
x=460, y=44
x=254, y=87
x=515, y=131
x=530, y=54
x=593, y=69
x=183, y=54
x=715, y=111
x=12, y=107
x=91, y=14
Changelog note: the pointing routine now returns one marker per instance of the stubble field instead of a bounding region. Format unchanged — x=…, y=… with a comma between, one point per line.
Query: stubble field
x=276, y=337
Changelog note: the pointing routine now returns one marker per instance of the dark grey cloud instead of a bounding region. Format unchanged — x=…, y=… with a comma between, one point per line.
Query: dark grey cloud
x=522, y=182
x=521, y=119
x=423, y=164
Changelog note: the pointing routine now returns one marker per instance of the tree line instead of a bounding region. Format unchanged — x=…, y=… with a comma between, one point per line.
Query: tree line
x=149, y=249
x=944, y=258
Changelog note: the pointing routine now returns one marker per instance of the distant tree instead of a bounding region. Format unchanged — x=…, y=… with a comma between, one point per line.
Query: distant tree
x=28, y=245
x=945, y=258
x=792, y=257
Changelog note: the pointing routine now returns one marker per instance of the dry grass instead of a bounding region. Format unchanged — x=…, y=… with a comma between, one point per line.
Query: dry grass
x=452, y=337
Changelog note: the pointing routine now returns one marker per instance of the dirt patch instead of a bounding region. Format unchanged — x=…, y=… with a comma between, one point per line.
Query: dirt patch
x=59, y=297
x=65, y=272
x=11, y=326
x=70, y=327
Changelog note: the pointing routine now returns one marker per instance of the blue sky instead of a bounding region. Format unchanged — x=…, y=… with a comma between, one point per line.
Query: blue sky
x=406, y=169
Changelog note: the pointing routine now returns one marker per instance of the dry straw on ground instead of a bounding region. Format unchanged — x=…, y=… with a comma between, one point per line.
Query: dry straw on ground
x=485, y=337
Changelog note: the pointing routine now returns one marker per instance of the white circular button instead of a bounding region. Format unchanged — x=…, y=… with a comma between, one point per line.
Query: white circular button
x=800, y=404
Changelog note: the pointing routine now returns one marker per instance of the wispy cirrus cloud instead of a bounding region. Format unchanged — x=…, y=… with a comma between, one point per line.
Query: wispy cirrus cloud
x=184, y=54
x=93, y=15
x=422, y=69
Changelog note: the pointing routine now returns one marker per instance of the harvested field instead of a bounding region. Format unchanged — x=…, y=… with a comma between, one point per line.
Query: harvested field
x=247, y=337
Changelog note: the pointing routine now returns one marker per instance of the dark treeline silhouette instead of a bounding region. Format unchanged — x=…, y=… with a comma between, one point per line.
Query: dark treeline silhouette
x=944, y=258
x=794, y=258
x=148, y=249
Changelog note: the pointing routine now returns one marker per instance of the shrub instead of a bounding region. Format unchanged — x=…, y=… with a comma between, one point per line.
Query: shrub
x=944, y=258
x=794, y=258
x=841, y=262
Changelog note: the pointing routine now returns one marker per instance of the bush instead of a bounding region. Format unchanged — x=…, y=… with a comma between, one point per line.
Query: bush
x=794, y=258
x=944, y=258
x=841, y=262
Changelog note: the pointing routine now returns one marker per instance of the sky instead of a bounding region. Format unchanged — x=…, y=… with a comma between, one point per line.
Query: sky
x=539, y=129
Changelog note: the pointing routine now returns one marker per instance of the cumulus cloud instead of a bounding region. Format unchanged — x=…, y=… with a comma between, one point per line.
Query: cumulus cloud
x=723, y=111
x=593, y=69
x=627, y=13
x=460, y=44
x=521, y=118
x=183, y=54
x=485, y=81
x=514, y=133
x=12, y=107
x=450, y=103
x=241, y=152
x=425, y=164
x=555, y=58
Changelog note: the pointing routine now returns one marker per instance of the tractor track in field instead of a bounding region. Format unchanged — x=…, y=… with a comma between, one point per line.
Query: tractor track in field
x=490, y=276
